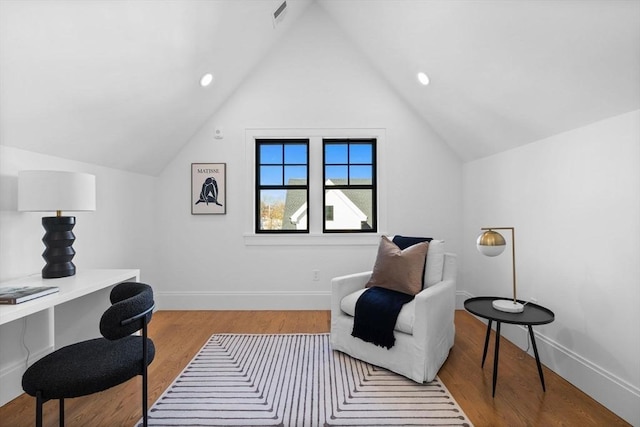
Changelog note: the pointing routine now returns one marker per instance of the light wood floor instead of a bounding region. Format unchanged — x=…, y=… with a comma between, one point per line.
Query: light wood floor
x=178, y=335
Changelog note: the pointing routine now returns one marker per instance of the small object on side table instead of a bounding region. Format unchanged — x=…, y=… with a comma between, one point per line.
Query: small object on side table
x=533, y=314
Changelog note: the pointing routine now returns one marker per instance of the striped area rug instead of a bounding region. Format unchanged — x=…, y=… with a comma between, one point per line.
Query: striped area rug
x=296, y=381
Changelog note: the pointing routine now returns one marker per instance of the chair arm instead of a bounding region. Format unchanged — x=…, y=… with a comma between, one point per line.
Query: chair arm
x=434, y=311
x=345, y=285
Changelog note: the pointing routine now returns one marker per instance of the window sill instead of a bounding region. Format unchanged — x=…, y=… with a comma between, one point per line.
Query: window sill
x=337, y=239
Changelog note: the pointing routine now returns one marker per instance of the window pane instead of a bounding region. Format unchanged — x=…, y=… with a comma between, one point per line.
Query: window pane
x=295, y=210
x=360, y=153
x=295, y=175
x=295, y=153
x=270, y=175
x=270, y=154
x=360, y=175
x=352, y=209
x=335, y=153
x=271, y=209
x=283, y=210
x=337, y=174
x=282, y=163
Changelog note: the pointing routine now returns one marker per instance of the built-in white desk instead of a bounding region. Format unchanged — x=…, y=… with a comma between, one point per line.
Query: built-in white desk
x=69, y=315
x=82, y=283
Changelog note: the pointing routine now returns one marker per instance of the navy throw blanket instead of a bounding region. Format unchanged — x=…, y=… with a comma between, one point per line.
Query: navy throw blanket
x=376, y=313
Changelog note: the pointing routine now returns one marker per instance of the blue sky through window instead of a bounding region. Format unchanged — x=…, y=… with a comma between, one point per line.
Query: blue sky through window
x=273, y=197
x=360, y=153
x=335, y=154
x=280, y=162
x=295, y=154
x=270, y=154
x=351, y=160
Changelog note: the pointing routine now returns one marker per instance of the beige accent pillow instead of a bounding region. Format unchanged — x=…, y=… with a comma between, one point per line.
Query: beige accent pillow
x=399, y=270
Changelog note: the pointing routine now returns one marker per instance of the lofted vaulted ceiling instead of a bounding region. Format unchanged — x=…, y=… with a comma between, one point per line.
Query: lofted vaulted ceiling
x=116, y=83
x=504, y=73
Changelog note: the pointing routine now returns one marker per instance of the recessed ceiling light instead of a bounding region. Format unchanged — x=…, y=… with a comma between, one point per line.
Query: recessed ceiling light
x=206, y=80
x=423, y=78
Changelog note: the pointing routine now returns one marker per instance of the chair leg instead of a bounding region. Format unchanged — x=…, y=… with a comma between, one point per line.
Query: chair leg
x=61, y=404
x=39, y=403
x=144, y=375
x=144, y=398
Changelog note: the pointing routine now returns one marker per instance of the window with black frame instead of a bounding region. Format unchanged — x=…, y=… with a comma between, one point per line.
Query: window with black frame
x=349, y=198
x=282, y=186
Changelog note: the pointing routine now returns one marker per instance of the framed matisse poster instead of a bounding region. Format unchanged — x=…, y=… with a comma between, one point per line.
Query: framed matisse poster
x=208, y=188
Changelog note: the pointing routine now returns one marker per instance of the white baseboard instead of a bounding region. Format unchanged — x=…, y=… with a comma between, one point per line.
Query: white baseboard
x=11, y=376
x=461, y=297
x=617, y=395
x=216, y=300
x=318, y=300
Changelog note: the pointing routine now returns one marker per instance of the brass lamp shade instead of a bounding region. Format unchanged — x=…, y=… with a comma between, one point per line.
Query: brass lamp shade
x=491, y=243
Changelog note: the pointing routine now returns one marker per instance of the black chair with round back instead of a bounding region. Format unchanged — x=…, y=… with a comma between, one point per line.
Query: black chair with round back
x=95, y=365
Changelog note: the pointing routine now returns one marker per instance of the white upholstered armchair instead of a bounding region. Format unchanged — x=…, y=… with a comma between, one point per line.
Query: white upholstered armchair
x=424, y=331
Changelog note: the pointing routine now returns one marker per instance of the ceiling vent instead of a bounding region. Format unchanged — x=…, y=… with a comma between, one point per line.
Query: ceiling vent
x=279, y=14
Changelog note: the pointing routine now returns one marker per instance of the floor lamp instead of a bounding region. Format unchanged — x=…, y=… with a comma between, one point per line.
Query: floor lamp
x=57, y=191
x=492, y=243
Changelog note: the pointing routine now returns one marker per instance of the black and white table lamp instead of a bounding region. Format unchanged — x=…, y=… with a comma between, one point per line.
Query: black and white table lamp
x=57, y=191
x=491, y=243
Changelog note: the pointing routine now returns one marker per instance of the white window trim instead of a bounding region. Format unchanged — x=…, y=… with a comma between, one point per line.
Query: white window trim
x=315, y=237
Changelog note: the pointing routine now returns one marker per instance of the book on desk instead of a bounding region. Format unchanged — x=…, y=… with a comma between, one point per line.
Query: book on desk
x=20, y=294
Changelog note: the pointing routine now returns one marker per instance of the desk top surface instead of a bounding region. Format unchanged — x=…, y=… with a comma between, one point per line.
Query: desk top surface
x=82, y=283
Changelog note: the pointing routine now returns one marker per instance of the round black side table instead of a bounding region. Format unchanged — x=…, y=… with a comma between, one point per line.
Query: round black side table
x=533, y=314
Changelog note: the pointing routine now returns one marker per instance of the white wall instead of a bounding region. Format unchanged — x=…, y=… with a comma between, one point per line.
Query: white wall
x=313, y=80
x=574, y=200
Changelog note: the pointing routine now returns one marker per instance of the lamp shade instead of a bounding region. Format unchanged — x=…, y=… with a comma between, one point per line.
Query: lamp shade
x=491, y=243
x=50, y=191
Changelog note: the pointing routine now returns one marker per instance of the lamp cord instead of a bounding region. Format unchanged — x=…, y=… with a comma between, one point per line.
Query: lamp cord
x=526, y=351
x=24, y=344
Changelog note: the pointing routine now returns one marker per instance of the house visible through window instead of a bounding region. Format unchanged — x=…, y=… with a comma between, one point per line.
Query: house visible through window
x=349, y=185
x=328, y=213
x=282, y=185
